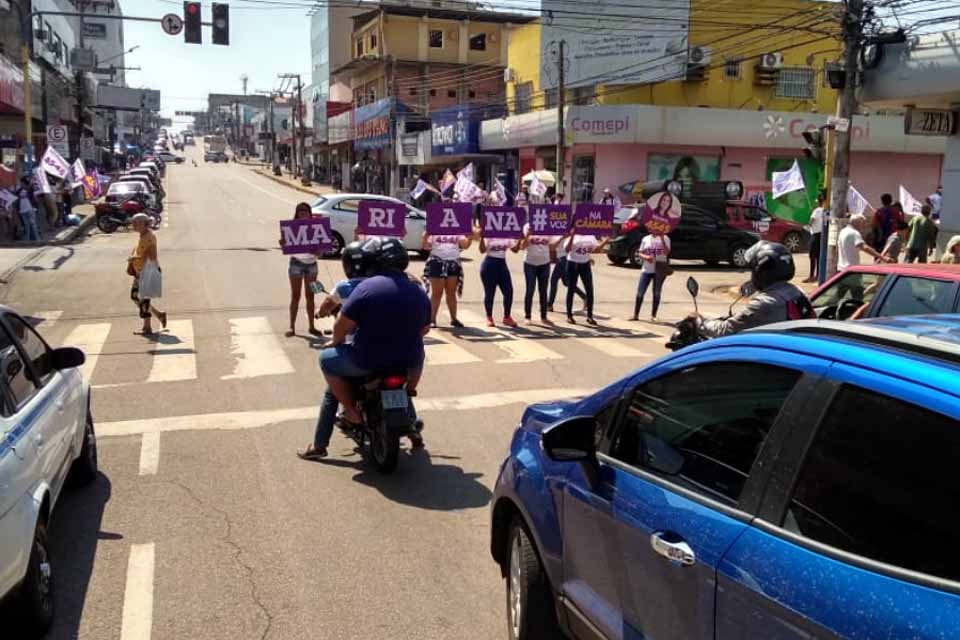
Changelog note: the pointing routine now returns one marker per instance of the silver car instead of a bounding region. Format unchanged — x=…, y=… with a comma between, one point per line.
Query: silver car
x=342, y=209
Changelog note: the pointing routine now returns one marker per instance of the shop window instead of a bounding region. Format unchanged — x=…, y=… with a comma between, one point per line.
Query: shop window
x=583, y=173
x=413, y=91
x=733, y=69
x=550, y=97
x=451, y=93
x=359, y=45
x=583, y=95
x=797, y=83
x=521, y=97
x=436, y=38
x=472, y=94
x=478, y=42
x=433, y=93
x=373, y=42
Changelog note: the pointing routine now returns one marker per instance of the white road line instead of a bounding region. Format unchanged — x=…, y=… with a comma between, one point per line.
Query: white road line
x=150, y=453
x=257, y=349
x=90, y=338
x=259, y=188
x=441, y=351
x=47, y=318
x=519, y=349
x=138, y=595
x=241, y=420
x=616, y=347
x=175, y=360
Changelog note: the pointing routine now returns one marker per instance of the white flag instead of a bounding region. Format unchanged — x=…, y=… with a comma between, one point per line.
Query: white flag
x=500, y=190
x=53, y=163
x=466, y=173
x=785, y=182
x=856, y=203
x=7, y=198
x=77, y=171
x=419, y=189
x=537, y=187
x=911, y=206
x=40, y=183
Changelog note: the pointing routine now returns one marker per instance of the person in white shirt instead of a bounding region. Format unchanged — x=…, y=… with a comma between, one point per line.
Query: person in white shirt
x=494, y=274
x=609, y=198
x=850, y=243
x=444, y=273
x=580, y=248
x=815, y=227
x=936, y=202
x=655, y=252
x=536, y=273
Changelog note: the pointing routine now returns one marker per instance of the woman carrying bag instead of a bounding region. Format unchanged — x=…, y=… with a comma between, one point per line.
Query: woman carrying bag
x=655, y=252
x=144, y=266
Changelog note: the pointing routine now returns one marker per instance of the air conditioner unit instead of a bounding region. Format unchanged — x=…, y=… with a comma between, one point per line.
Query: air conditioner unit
x=698, y=56
x=771, y=61
x=508, y=75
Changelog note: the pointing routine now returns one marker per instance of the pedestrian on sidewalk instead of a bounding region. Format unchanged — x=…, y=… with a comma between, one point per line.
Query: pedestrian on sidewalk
x=27, y=207
x=885, y=221
x=655, y=252
x=302, y=271
x=580, y=249
x=144, y=252
x=850, y=243
x=815, y=227
x=444, y=273
x=495, y=274
x=923, y=236
x=536, y=273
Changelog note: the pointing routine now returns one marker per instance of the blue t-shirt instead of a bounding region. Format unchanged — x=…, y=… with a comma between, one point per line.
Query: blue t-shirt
x=343, y=289
x=390, y=312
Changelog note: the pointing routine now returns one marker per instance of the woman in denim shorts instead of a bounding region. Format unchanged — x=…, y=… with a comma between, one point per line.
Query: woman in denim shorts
x=303, y=272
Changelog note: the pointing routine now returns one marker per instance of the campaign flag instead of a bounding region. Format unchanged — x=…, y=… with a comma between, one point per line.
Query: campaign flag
x=911, y=206
x=382, y=218
x=450, y=218
x=856, y=203
x=40, y=183
x=550, y=219
x=447, y=181
x=7, y=198
x=466, y=173
x=419, y=189
x=591, y=219
x=502, y=222
x=92, y=185
x=785, y=182
x=306, y=235
x=77, y=171
x=53, y=163
x=466, y=191
x=537, y=186
x=500, y=190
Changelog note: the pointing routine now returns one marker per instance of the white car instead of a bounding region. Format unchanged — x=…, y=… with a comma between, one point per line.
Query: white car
x=166, y=156
x=48, y=439
x=342, y=209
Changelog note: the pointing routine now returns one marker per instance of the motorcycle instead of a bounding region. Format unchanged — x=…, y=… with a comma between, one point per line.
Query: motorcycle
x=385, y=403
x=689, y=330
x=113, y=215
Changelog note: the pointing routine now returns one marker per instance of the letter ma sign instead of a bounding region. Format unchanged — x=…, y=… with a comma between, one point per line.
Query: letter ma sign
x=382, y=218
x=306, y=235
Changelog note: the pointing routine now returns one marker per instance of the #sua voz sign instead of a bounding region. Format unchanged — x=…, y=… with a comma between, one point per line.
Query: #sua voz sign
x=503, y=222
x=549, y=219
x=450, y=218
x=382, y=218
x=306, y=235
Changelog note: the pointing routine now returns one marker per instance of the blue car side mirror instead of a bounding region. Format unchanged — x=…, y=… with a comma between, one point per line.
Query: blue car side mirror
x=571, y=440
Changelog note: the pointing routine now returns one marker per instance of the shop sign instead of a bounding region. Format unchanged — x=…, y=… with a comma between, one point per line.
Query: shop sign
x=456, y=130
x=340, y=127
x=930, y=122
x=602, y=124
x=410, y=145
x=372, y=125
x=95, y=30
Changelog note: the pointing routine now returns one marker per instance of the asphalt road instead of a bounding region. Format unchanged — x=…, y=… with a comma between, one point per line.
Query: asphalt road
x=203, y=523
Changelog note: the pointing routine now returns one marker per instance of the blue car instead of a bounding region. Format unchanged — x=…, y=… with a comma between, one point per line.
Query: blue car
x=799, y=481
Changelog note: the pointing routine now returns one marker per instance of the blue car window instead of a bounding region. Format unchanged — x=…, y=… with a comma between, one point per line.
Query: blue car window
x=879, y=481
x=703, y=427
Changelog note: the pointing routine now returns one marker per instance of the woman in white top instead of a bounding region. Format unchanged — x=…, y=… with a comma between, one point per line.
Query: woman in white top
x=444, y=273
x=655, y=253
x=579, y=250
x=560, y=272
x=495, y=274
x=302, y=272
x=536, y=272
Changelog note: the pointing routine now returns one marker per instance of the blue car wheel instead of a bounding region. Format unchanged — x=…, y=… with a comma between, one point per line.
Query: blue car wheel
x=531, y=613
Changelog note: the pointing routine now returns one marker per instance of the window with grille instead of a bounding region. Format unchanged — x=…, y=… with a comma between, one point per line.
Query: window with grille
x=733, y=69
x=521, y=97
x=796, y=82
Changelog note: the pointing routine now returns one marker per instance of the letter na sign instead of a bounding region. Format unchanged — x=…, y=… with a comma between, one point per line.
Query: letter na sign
x=503, y=222
x=382, y=218
x=306, y=235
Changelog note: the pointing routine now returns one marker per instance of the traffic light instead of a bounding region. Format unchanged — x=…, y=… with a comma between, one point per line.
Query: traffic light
x=815, y=149
x=221, y=23
x=192, y=30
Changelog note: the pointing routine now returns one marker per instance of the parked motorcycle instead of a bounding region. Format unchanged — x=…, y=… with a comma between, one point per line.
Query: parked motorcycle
x=113, y=215
x=689, y=331
x=385, y=403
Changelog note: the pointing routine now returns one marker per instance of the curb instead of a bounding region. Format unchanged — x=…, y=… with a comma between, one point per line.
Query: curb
x=77, y=231
x=287, y=184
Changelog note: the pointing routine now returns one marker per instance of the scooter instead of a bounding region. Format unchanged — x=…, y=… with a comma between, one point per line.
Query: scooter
x=689, y=331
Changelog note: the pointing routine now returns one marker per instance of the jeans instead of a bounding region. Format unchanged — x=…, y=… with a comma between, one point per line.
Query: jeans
x=29, y=221
x=645, y=280
x=560, y=275
x=536, y=277
x=584, y=272
x=814, y=254
x=494, y=273
x=916, y=255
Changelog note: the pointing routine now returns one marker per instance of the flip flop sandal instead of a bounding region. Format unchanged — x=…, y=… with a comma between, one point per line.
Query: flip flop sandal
x=312, y=454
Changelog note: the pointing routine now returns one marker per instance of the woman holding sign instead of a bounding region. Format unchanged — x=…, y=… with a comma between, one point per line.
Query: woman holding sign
x=536, y=272
x=655, y=253
x=302, y=272
x=580, y=248
x=495, y=274
x=444, y=272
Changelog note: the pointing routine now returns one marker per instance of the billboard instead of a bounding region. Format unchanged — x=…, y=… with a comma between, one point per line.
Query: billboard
x=615, y=42
x=126, y=99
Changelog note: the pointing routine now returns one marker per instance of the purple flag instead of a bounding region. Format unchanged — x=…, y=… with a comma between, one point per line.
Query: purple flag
x=306, y=235
x=382, y=218
x=503, y=222
x=593, y=219
x=550, y=219
x=449, y=218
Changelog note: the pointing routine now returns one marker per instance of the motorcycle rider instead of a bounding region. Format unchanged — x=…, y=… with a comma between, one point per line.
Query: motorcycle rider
x=360, y=260
x=388, y=315
x=776, y=298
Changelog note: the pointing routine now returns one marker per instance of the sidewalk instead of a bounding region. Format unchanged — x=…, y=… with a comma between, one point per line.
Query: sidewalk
x=289, y=181
x=15, y=255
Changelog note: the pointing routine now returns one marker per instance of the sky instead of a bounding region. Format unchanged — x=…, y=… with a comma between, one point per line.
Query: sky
x=264, y=41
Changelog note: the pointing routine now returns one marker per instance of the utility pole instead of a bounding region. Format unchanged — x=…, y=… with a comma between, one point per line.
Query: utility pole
x=852, y=27
x=561, y=102
x=303, y=140
x=295, y=157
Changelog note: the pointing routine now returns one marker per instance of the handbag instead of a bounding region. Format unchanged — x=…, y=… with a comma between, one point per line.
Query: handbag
x=151, y=281
x=130, y=270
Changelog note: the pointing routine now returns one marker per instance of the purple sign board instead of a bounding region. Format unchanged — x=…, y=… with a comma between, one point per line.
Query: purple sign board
x=382, y=218
x=549, y=219
x=306, y=235
x=502, y=222
x=593, y=219
x=450, y=218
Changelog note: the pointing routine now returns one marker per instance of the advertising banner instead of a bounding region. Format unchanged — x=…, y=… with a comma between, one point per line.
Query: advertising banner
x=449, y=218
x=684, y=169
x=503, y=222
x=382, y=218
x=306, y=235
x=550, y=219
x=593, y=219
x=372, y=125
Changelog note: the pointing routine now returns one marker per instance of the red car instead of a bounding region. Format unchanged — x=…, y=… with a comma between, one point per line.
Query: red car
x=742, y=215
x=875, y=290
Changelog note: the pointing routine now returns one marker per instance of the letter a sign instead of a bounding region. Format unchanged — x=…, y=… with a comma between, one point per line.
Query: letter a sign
x=503, y=222
x=382, y=218
x=449, y=218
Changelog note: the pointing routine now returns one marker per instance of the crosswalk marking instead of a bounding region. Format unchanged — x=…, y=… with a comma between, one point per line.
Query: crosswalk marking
x=441, y=351
x=518, y=349
x=149, y=454
x=257, y=350
x=47, y=318
x=137, y=621
x=90, y=338
x=616, y=347
x=175, y=356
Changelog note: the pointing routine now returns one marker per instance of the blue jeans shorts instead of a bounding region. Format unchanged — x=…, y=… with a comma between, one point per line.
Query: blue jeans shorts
x=298, y=269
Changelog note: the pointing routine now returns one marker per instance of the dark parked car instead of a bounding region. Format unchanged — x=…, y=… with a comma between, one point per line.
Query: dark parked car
x=699, y=236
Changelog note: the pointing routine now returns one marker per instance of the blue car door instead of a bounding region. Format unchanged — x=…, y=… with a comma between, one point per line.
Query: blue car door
x=856, y=536
x=675, y=482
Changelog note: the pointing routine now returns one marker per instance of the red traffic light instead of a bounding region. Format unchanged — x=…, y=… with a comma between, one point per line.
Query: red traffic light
x=192, y=8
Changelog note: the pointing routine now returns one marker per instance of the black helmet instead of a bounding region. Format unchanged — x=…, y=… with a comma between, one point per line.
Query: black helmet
x=393, y=255
x=769, y=262
x=360, y=258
